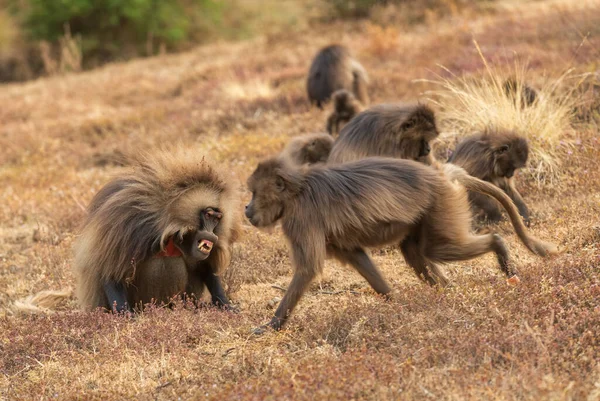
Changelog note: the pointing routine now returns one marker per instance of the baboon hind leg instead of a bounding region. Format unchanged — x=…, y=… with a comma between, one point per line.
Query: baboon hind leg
x=359, y=260
x=469, y=247
x=415, y=259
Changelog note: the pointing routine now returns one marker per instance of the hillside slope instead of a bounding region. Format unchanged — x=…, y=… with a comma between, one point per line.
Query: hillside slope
x=61, y=139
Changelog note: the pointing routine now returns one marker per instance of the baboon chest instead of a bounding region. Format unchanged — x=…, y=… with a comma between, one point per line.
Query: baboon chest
x=160, y=279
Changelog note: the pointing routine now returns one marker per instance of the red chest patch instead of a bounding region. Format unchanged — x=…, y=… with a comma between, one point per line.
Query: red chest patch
x=170, y=251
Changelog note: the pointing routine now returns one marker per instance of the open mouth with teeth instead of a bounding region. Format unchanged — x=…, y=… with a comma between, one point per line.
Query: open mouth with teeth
x=205, y=246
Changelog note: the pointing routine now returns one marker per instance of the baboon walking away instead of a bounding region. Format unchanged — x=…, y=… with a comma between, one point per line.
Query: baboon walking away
x=334, y=68
x=343, y=209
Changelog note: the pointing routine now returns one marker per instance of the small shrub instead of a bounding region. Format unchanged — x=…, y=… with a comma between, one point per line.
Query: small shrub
x=470, y=104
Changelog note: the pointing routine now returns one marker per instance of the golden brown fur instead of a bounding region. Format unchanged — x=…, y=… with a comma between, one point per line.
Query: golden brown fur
x=392, y=130
x=308, y=149
x=134, y=216
x=334, y=68
x=340, y=210
x=493, y=156
x=345, y=107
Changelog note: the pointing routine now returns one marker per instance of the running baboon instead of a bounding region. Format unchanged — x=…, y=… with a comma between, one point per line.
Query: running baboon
x=520, y=92
x=392, y=130
x=308, y=149
x=341, y=210
x=334, y=68
x=161, y=230
x=345, y=106
x=493, y=156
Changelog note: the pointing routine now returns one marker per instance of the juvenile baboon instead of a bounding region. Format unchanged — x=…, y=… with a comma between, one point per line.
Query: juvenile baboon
x=392, y=130
x=493, y=156
x=345, y=107
x=520, y=92
x=334, y=68
x=308, y=149
x=162, y=229
x=341, y=210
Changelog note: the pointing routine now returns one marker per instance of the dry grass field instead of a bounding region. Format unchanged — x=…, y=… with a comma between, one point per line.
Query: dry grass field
x=62, y=137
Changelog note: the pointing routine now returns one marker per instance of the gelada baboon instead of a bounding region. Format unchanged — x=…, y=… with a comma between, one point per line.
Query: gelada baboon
x=493, y=156
x=308, y=149
x=391, y=130
x=161, y=230
x=345, y=107
x=334, y=68
x=341, y=210
x=520, y=92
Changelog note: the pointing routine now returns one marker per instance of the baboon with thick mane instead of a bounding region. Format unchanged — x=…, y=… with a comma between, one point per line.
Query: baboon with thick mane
x=345, y=107
x=334, y=68
x=493, y=156
x=391, y=130
x=308, y=149
x=163, y=229
x=340, y=210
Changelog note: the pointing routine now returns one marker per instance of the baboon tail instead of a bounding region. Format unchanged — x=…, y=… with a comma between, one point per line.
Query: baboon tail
x=42, y=302
x=471, y=183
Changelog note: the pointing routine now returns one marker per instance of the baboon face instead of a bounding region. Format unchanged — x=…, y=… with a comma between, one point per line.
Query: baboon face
x=510, y=157
x=267, y=187
x=197, y=244
x=417, y=132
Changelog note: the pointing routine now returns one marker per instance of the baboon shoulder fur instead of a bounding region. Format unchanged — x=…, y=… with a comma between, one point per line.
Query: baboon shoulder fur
x=135, y=214
x=391, y=130
x=334, y=68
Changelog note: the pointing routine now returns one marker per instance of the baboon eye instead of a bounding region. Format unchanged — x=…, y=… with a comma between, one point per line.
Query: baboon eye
x=503, y=148
x=408, y=125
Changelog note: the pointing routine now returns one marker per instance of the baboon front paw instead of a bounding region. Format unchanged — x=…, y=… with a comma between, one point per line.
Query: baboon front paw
x=231, y=308
x=258, y=331
x=514, y=280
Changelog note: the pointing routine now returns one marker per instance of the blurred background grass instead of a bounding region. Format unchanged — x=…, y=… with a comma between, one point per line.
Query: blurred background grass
x=46, y=37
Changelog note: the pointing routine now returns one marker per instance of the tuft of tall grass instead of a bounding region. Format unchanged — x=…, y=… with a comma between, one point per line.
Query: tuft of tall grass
x=469, y=104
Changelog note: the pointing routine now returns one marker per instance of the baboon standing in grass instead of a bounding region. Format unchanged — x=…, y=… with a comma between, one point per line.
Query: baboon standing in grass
x=345, y=107
x=341, y=210
x=522, y=93
x=334, y=68
x=493, y=156
x=308, y=149
x=162, y=230
x=393, y=130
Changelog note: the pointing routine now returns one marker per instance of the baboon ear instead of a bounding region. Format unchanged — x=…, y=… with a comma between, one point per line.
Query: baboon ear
x=279, y=184
x=502, y=149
